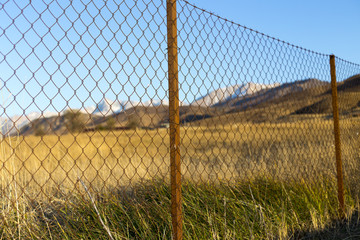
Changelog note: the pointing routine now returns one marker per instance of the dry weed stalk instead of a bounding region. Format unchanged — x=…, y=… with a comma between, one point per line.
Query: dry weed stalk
x=96, y=210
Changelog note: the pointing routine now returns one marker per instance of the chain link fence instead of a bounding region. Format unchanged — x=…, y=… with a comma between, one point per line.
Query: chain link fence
x=254, y=116
x=348, y=79
x=85, y=104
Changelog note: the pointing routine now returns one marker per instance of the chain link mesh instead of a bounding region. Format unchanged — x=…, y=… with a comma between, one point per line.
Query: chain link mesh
x=85, y=98
x=261, y=113
x=70, y=71
x=348, y=78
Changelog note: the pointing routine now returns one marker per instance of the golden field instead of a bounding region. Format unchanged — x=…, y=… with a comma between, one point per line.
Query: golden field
x=107, y=161
x=281, y=175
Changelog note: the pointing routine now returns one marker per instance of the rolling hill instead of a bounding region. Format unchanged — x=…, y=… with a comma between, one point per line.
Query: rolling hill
x=348, y=97
x=239, y=103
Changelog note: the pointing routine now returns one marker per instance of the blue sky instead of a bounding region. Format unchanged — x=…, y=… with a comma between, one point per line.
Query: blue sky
x=327, y=26
x=75, y=53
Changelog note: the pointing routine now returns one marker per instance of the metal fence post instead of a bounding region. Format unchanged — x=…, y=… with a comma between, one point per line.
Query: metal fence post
x=335, y=104
x=176, y=209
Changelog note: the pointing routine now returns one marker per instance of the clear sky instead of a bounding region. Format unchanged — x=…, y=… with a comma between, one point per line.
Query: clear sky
x=326, y=26
x=72, y=54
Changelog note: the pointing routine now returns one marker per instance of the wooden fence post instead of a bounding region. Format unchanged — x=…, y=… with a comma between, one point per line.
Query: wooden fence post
x=335, y=105
x=174, y=118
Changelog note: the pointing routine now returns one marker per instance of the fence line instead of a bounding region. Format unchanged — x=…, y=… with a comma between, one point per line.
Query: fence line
x=109, y=94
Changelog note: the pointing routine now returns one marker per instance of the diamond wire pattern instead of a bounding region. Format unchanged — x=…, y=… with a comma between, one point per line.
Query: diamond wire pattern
x=59, y=58
x=84, y=89
x=348, y=79
x=265, y=105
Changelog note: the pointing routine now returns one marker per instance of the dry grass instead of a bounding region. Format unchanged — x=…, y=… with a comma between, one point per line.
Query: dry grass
x=107, y=161
x=39, y=178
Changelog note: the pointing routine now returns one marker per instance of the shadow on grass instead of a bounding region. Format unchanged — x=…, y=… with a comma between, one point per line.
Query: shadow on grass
x=340, y=229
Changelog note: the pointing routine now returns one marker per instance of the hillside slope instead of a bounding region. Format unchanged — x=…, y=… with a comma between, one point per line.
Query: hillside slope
x=310, y=98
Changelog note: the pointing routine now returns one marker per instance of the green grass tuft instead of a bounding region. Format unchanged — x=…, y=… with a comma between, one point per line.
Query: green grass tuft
x=260, y=209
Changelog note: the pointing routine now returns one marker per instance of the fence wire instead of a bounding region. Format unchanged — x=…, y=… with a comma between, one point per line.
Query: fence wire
x=260, y=108
x=348, y=78
x=83, y=106
x=70, y=71
x=85, y=102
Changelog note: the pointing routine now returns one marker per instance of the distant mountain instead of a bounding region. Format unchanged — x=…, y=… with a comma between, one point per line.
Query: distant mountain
x=223, y=95
x=54, y=124
x=108, y=107
x=232, y=96
x=276, y=92
x=9, y=126
x=248, y=102
x=348, y=99
x=352, y=84
x=278, y=104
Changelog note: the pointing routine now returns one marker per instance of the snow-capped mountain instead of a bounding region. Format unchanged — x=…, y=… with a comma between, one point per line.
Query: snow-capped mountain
x=9, y=126
x=228, y=93
x=155, y=102
x=275, y=92
x=107, y=107
x=238, y=96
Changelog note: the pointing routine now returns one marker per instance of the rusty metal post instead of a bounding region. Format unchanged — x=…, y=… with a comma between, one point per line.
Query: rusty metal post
x=335, y=105
x=175, y=173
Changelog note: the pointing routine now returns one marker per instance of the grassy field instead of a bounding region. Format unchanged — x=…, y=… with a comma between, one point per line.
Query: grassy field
x=251, y=181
